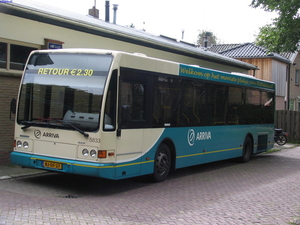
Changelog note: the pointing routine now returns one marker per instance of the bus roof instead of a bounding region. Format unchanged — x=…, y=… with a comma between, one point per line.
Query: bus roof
x=192, y=71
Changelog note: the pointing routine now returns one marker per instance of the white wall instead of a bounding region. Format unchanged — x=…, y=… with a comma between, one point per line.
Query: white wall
x=33, y=32
x=279, y=77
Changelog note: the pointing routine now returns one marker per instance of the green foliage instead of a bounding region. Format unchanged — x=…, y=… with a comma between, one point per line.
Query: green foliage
x=283, y=34
x=212, y=39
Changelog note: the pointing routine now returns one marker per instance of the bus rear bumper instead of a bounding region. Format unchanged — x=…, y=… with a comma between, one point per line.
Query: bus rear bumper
x=63, y=165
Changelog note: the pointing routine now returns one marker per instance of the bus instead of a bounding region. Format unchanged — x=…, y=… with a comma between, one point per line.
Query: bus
x=116, y=115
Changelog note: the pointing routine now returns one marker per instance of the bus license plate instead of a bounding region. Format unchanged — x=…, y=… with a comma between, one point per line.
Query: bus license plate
x=52, y=165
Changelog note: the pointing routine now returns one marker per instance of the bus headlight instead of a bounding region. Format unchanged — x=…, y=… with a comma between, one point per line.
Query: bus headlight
x=25, y=145
x=85, y=152
x=93, y=153
x=19, y=144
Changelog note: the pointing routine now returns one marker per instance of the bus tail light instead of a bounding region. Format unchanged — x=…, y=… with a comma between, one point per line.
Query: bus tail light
x=102, y=154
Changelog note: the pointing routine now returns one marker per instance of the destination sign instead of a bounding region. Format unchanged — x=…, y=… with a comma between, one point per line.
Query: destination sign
x=65, y=71
x=214, y=75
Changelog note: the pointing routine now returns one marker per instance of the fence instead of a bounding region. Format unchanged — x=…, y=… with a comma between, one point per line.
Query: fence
x=289, y=121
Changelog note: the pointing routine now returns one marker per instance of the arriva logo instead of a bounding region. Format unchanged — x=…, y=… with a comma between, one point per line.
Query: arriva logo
x=192, y=136
x=38, y=134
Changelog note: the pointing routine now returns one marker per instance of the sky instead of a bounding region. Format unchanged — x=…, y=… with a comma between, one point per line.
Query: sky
x=231, y=21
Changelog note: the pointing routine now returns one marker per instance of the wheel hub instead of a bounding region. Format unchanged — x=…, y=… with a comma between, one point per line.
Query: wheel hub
x=162, y=163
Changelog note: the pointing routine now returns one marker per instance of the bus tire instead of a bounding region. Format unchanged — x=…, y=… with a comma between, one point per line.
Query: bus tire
x=247, y=150
x=162, y=163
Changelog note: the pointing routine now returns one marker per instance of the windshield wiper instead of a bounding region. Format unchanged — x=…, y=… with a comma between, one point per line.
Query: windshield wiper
x=28, y=124
x=75, y=128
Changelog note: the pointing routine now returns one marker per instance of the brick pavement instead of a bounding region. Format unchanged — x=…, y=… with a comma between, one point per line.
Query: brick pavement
x=264, y=191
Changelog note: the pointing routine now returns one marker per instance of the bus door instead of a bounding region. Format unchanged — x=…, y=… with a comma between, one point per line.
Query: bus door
x=134, y=116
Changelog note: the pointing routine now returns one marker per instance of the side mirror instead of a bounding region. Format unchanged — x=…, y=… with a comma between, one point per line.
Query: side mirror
x=13, y=107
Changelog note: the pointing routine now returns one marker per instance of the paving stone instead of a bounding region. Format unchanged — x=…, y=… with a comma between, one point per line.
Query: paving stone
x=265, y=191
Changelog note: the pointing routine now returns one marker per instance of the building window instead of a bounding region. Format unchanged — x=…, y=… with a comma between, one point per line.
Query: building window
x=297, y=77
x=3, y=55
x=18, y=56
x=13, y=56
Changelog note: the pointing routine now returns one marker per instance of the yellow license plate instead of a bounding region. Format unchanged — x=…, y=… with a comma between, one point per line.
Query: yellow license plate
x=53, y=165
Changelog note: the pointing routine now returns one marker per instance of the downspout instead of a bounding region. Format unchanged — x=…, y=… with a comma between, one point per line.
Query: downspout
x=288, y=77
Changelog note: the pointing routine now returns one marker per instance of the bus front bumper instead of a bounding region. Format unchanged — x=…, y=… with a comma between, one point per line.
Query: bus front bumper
x=63, y=165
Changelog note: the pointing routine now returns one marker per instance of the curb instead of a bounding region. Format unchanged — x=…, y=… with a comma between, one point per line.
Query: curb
x=12, y=171
x=21, y=175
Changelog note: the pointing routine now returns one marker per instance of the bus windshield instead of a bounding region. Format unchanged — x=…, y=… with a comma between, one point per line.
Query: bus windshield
x=63, y=90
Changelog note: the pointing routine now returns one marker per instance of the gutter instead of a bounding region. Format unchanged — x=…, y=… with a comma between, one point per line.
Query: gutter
x=279, y=58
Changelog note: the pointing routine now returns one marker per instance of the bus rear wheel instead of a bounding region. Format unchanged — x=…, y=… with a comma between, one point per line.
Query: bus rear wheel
x=162, y=163
x=247, y=150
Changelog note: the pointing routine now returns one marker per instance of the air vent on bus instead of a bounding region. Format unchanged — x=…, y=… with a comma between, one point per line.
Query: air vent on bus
x=262, y=142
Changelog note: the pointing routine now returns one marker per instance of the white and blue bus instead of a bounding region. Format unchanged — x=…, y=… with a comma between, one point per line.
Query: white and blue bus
x=117, y=115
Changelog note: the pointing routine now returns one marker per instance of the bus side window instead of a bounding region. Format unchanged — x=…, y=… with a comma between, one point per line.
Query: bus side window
x=166, y=102
x=110, y=104
x=132, y=100
x=234, y=105
x=267, y=112
x=253, y=104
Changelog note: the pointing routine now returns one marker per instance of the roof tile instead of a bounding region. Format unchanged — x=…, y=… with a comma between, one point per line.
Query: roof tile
x=249, y=50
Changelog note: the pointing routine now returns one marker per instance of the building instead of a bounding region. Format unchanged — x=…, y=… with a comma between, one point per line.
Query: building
x=27, y=25
x=282, y=69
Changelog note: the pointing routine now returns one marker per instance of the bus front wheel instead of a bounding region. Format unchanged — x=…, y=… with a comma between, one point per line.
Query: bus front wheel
x=162, y=163
x=247, y=150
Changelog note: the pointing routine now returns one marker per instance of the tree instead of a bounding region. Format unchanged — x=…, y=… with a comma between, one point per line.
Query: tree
x=283, y=34
x=208, y=36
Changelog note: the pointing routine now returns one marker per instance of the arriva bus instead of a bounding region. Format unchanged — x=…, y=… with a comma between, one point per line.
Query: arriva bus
x=117, y=115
